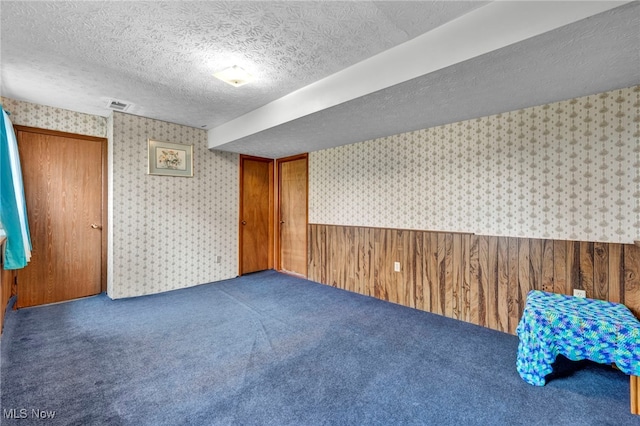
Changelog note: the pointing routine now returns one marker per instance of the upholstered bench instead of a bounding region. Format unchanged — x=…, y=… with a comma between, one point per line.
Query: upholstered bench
x=577, y=328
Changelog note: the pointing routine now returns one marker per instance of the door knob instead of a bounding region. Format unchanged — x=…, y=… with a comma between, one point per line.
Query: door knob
x=281, y=222
x=95, y=226
x=244, y=222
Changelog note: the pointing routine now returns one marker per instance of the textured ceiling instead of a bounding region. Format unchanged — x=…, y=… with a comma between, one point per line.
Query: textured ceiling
x=160, y=56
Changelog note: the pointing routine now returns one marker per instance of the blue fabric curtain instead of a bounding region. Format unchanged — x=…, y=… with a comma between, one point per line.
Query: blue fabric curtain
x=13, y=209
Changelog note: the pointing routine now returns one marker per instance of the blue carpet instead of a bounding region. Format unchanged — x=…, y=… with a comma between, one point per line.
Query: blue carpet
x=269, y=349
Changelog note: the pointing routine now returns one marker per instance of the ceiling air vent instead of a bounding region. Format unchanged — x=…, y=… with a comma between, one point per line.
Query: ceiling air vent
x=118, y=105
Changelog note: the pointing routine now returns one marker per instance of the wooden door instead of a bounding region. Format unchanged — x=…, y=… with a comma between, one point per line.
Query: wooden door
x=256, y=214
x=292, y=211
x=65, y=190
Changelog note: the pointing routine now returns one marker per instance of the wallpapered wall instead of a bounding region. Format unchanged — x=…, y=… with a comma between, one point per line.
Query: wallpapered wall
x=567, y=170
x=46, y=117
x=168, y=231
x=164, y=232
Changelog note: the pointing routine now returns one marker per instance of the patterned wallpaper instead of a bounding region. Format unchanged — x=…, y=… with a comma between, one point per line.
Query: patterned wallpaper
x=164, y=232
x=46, y=117
x=167, y=232
x=567, y=170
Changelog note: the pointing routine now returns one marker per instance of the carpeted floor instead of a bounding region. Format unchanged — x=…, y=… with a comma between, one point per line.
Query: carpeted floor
x=269, y=349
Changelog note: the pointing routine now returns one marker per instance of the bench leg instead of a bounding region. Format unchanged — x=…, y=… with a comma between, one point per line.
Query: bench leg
x=634, y=385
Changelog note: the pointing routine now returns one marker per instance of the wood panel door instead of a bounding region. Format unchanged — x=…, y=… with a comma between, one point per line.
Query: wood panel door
x=65, y=190
x=256, y=214
x=292, y=212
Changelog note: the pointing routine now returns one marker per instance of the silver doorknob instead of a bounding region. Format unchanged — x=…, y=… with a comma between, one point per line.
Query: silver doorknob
x=96, y=226
x=244, y=222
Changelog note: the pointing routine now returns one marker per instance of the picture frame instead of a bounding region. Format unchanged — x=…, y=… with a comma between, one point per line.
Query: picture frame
x=170, y=159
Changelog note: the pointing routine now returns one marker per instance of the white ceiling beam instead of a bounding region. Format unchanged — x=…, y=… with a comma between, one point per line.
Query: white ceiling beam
x=488, y=28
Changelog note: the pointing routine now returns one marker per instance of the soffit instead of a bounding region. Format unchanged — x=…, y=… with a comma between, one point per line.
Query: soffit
x=594, y=55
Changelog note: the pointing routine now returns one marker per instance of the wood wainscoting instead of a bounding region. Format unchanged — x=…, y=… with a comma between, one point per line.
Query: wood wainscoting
x=7, y=283
x=483, y=280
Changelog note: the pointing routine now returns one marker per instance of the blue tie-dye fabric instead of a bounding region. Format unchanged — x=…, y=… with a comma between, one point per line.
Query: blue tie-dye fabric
x=578, y=328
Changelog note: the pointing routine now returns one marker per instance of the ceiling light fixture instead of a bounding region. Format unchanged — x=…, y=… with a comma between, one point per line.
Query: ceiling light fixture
x=234, y=76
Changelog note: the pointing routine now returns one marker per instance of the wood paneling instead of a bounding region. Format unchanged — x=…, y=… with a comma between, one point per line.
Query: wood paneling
x=601, y=271
x=560, y=284
x=524, y=282
x=430, y=272
x=616, y=272
x=631, y=284
x=483, y=280
x=586, y=267
x=7, y=281
x=502, y=301
x=548, y=266
x=513, y=291
x=474, y=273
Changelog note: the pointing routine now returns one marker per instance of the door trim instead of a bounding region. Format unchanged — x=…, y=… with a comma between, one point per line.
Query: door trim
x=241, y=160
x=278, y=257
x=105, y=200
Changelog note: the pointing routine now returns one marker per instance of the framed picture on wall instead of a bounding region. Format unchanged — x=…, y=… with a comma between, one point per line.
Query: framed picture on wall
x=170, y=159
